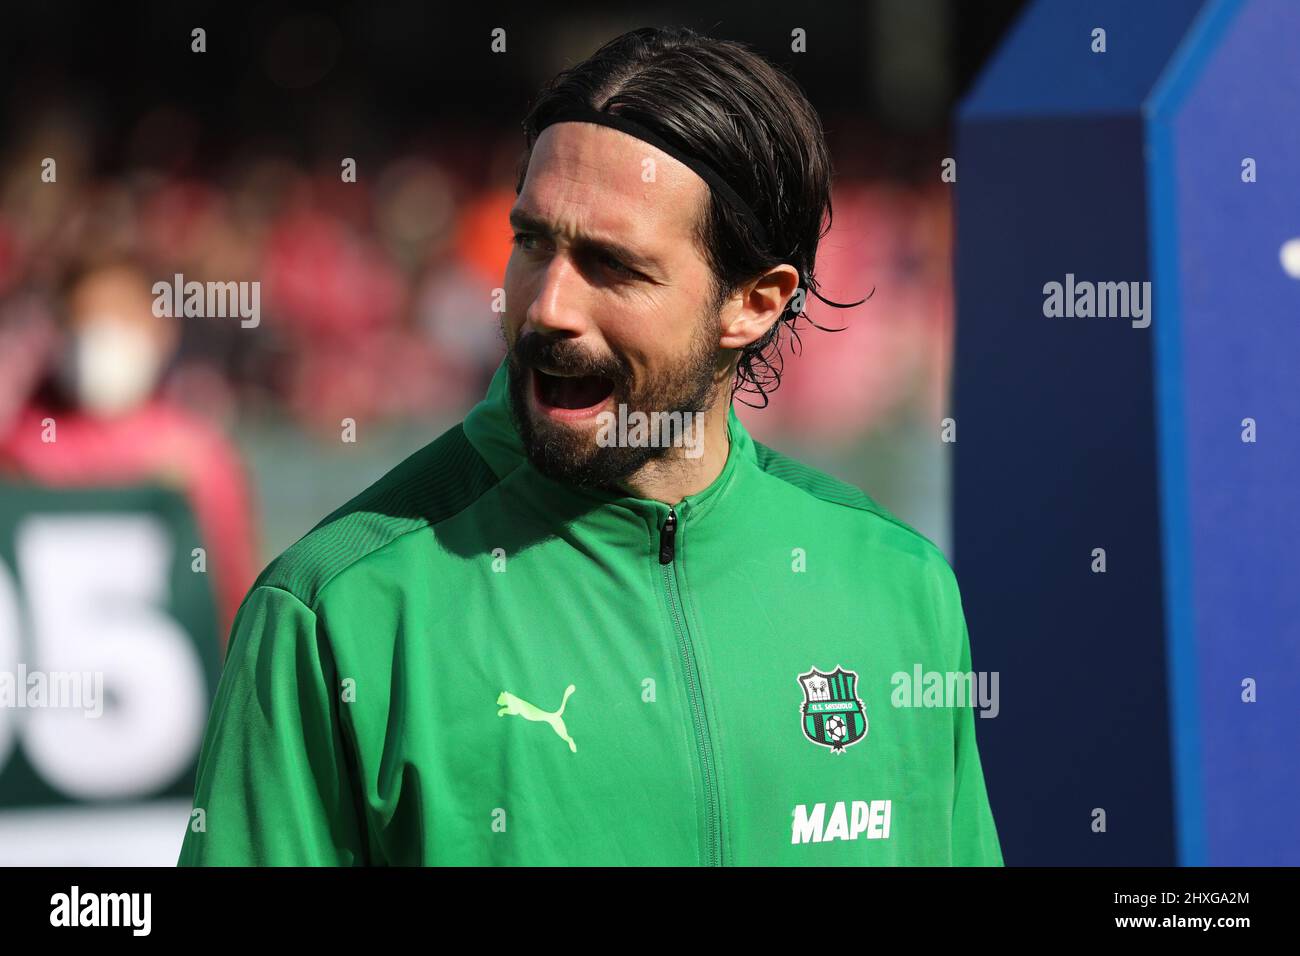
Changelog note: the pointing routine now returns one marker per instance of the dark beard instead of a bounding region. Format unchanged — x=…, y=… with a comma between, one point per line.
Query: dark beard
x=574, y=457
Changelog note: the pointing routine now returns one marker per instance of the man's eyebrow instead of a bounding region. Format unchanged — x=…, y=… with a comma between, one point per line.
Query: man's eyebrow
x=526, y=220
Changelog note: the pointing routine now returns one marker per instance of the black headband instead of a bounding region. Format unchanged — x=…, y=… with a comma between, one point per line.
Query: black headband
x=720, y=187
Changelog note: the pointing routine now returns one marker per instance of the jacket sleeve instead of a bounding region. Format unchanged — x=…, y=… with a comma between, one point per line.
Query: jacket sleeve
x=273, y=783
x=974, y=834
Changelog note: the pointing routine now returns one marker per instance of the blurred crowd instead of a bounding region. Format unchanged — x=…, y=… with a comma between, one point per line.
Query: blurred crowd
x=376, y=294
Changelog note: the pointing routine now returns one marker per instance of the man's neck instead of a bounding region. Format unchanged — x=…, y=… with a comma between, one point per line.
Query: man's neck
x=688, y=470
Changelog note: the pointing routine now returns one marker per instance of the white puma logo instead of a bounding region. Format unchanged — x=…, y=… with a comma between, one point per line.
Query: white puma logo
x=515, y=707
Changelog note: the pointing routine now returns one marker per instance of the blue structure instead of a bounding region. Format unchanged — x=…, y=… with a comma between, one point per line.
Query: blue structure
x=1171, y=158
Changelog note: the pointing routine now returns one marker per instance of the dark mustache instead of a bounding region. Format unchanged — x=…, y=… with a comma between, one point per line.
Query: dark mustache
x=561, y=355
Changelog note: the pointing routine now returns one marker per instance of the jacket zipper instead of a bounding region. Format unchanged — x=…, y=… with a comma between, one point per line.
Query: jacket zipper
x=667, y=559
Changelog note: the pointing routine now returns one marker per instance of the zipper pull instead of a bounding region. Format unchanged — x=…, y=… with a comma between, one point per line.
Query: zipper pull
x=668, y=539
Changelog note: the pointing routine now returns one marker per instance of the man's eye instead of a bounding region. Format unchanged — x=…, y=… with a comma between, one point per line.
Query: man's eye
x=523, y=239
x=617, y=266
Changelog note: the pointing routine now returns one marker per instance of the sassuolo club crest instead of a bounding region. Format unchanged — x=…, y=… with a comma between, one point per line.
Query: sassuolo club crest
x=833, y=716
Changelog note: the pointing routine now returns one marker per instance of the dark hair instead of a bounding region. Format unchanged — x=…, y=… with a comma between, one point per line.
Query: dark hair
x=719, y=100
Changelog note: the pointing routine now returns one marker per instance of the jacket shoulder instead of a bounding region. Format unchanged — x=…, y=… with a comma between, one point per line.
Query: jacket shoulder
x=927, y=560
x=437, y=482
x=822, y=486
x=829, y=489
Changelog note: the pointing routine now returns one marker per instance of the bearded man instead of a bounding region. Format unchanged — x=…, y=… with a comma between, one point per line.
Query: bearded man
x=545, y=641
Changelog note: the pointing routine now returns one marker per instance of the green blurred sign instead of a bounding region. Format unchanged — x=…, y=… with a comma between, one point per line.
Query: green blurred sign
x=108, y=644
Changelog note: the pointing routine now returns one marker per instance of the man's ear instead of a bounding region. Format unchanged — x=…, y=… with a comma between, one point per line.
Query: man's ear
x=757, y=306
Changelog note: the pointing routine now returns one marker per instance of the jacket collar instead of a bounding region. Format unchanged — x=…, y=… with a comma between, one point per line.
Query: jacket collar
x=492, y=432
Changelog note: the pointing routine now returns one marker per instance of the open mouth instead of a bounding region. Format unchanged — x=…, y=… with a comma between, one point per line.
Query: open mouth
x=570, y=395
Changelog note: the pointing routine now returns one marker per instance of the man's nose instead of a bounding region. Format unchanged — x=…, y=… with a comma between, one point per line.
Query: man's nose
x=559, y=305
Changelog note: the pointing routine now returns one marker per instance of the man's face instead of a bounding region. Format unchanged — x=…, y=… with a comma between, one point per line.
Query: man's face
x=608, y=299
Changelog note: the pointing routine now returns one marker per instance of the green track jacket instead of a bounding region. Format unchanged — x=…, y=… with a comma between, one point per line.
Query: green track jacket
x=472, y=664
